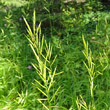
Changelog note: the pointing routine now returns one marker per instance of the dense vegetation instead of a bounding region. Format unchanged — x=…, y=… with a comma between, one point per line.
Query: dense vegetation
x=54, y=55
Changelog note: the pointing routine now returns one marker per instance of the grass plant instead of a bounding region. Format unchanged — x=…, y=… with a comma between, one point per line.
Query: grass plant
x=43, y=66
x=90, y=68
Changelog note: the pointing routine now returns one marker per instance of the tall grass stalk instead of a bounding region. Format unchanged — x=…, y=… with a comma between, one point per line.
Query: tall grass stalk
x=90, y=67
x=43, y=67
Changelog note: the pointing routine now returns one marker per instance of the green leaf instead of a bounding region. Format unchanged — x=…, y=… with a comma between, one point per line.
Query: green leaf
x=40, y=84
x=43, y=104
x=54, y=94
x=34, y=21
x=40, y=90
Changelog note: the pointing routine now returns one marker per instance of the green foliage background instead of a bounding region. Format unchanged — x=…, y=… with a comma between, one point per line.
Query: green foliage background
x=63, y=25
